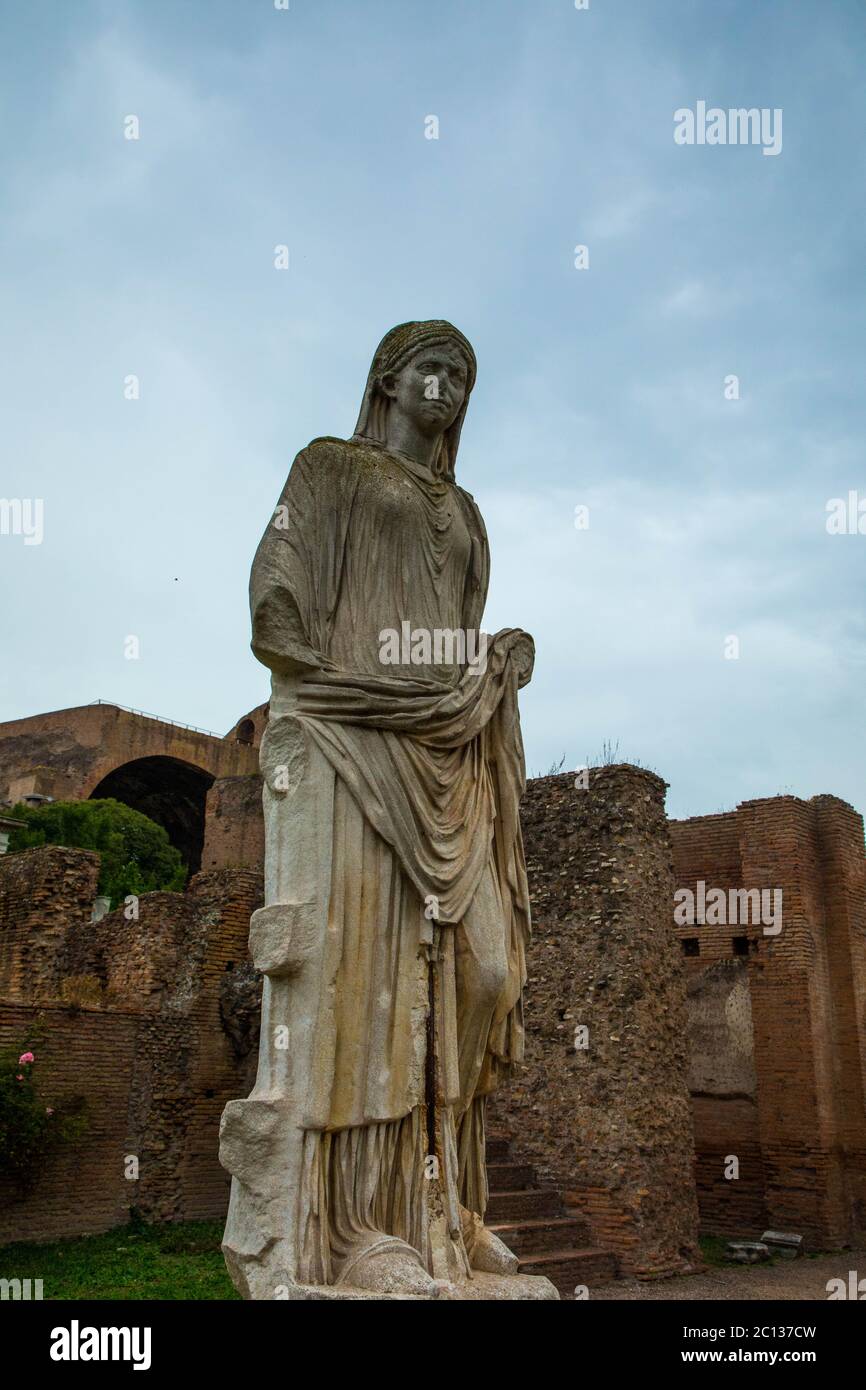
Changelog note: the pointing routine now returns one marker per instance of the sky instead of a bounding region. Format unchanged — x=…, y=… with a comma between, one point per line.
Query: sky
x=605, y=386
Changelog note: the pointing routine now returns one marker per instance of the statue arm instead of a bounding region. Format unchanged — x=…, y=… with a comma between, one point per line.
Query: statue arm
x=283, y=580
x=277, y=641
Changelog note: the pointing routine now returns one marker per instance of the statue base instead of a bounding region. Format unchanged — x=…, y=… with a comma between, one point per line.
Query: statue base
x=481, y=1287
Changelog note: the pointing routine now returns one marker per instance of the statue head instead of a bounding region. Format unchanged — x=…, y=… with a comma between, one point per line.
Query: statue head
x=424, y=371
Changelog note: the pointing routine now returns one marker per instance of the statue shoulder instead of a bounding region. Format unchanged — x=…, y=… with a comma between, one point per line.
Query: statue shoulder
x=324, y=473
x=327, y=452
x=321, y=463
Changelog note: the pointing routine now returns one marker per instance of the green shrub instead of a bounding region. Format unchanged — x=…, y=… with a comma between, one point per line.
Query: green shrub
x=137, y=855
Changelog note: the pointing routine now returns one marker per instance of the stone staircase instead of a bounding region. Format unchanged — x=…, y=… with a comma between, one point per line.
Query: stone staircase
x=534, y=1223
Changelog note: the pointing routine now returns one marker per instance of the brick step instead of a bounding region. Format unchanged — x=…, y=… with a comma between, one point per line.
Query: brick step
x=509, y=1177
x=498, y=1149
x=567, y=1268
x=527, y=1205
x=534, y=1237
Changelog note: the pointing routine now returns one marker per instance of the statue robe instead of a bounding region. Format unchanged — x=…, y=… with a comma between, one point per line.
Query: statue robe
x=428, y=770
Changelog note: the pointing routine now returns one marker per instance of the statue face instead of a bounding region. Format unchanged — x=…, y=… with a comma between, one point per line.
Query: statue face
x=430, y=390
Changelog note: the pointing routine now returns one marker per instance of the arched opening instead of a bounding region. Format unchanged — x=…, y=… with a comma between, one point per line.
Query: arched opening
x=171, y=792
x=246, y=731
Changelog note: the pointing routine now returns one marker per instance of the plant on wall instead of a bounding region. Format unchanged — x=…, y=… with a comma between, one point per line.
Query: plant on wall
x=137, y=855
x=30, y=1128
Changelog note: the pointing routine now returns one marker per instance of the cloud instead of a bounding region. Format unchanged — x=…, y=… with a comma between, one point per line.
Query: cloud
x=603, y=388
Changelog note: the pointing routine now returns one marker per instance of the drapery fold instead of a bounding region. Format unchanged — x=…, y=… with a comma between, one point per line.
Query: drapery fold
x=433, y=760
x=431, y=770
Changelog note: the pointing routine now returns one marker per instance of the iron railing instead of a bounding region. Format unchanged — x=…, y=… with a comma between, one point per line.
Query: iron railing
x=176, y=723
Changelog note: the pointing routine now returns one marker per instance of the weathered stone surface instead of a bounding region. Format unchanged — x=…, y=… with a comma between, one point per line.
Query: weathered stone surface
x=788, y=1244
x=604, y=1114
x=240, y=1005
x=283, y=937
x=393, y=936
x=747, y=1252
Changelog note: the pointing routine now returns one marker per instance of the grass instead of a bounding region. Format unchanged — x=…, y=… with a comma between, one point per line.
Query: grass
x=179, y=1260
x=608, y=757
x=714, y=1251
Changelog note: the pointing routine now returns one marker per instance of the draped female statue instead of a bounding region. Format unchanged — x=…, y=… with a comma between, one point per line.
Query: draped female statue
x=396, y=917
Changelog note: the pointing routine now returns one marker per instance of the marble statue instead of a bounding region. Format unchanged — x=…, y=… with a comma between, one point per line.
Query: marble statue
x=396, y=919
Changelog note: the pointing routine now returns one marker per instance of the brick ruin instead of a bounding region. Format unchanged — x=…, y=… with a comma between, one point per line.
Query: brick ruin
x=153, y=1020
x=601, y=1108
x=164, y=770
x=234, y=830
x=777, y=1020
x=741, y=1045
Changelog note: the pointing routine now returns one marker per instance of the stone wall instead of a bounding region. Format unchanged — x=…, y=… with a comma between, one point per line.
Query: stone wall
x=798, y=1133
x=610, y=1123
x=151, y=1020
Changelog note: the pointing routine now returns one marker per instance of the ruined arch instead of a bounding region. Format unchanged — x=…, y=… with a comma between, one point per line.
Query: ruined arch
x=171, y=792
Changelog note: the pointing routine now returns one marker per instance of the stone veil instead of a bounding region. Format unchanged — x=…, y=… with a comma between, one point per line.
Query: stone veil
x=396, y=920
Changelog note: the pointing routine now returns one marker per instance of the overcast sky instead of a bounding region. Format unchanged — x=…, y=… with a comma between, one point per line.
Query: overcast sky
x=601, y=387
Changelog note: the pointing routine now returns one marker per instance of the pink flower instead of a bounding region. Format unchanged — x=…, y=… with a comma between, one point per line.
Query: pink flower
x=26, y=1057
x=19, y=1077
x=49, y=1109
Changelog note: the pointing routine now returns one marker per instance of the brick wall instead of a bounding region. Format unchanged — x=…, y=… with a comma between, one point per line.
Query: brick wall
x=234, y=832
x=42, y=895
x=723, y=1087
x=799, y=1136
x=139, y=1019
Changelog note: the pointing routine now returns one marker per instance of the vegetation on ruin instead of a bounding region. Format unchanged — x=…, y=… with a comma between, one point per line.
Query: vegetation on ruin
x=31, y=1128
x=608, y=756
x=181, y=1260
x=136, y=853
